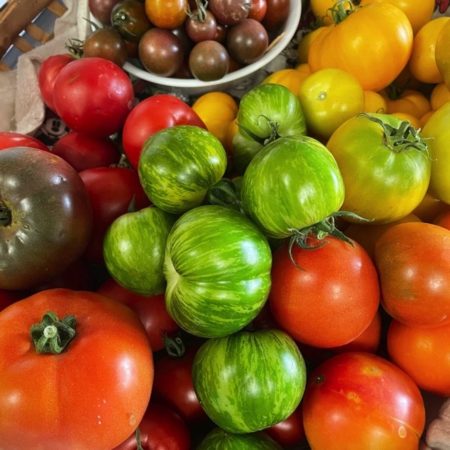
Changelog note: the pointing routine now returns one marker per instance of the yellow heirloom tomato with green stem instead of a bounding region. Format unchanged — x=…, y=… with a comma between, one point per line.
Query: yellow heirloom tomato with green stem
x=385, y=165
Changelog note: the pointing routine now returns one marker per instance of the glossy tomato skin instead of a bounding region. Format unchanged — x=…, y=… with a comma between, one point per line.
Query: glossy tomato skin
x=151, y=115
x=358, y=401
x=173, y=384
x=221, y=440
x=46, y=217
x=112, y=191
x=160, y=428
x=316, y=301
x=413, y=262
x=82, y=151
x=290, y=431
x=9, y=139
x=151, y=310
x=48, y=71
x=93, y=395
x=93, y=96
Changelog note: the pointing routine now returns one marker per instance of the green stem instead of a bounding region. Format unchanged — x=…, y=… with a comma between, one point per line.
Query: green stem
x=401, y=138
x=137, y=436
x=52, y=335
x=5, y=215
x=174, y=346
x=339, y=12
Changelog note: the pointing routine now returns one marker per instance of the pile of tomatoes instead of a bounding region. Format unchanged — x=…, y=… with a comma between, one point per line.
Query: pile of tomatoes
x=186, y=39
x=265, y=272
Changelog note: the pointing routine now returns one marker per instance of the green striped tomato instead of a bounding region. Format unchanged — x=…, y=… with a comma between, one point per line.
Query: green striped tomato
x=218, y=439
x=249, y=381
x=217, y=267
x=266, y=112
x=133, y=249
x=291, y=184
x=178, y=165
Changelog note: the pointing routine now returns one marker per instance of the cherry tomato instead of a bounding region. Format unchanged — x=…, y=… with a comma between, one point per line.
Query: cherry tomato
x=290, y=431
x=10, y=139
x=168, y=14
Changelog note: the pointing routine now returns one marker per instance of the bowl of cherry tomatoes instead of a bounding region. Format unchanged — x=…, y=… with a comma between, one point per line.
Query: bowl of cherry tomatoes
x=194, y=46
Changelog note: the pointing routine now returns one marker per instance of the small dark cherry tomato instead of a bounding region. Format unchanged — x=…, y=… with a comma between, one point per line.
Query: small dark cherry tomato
x=201, y=26
x=129, y=19
x=230, y=12
x=209, y=60
x=106, y=43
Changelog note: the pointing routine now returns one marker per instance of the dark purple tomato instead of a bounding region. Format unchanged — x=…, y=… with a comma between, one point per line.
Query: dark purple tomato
x=247, y=41
x=276, y=14
x=221, y=33
x=258, y=10
x=230, y=12
x=101, y=9
x=161, y=52
x=209, y=60
x=180, y=33
x=106, y=43
x=201, y=26
x=130, y=20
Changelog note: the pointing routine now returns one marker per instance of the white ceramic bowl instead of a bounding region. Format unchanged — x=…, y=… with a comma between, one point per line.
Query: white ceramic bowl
x=246, y=77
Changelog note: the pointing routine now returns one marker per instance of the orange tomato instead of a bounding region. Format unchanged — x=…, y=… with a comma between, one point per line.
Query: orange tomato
x=322, y=9
x=414, y=121
x=429, y=208
x=442, y=53
x=410, y=102
x=168, y=14
x=374, y=102
x=305, y=44
x=290, y=78
x=423, y=353
x=424, y=119
x=439, y=95
x=216, y=109
x=422, y=63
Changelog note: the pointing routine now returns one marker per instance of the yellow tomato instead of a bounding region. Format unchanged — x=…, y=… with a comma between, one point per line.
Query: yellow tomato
x=419, y=12
x=216, y=109
x=329, y=97
x=322, y=9
x=410, y=102
x=374, y=102
x=442, y=53
x=414, y=121
x=423, y=60
x=439, y=95
x=290, y=78
x=373, y=43
x=305, y=44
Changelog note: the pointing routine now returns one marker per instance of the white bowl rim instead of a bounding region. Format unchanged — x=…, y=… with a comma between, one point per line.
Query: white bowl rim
x=290, y=29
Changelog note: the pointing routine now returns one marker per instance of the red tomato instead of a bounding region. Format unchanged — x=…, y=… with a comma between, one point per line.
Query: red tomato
x=173, y=384
x=258, y=10
x=357, y=401
x=276, y=14
x=290, y=431
x=413, y=261
x=150, y=309
x=10, y=139
x=443, y=219
x=151, y=115
x=329, y=298
x=90, y=396
x=423, y=353
x=112, y=191
x=47, y=74
x=160, y=429
x=82, y=151
x=93, y=96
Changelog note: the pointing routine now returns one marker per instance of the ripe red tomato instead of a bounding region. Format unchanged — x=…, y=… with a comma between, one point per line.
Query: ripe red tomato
x=413, y=261
x=329, y=298
x=151, y=115
x=48, y=71
x=443, y=219
x=151, y=310
x=112, y=191
x=82, y=151
x=93, y=96
x=173, y=384
x=10, y=139
x=357, y=401
x=160, y=429
x=93, y=394
x=290, y=431
x=423, y=353
x=276, y=14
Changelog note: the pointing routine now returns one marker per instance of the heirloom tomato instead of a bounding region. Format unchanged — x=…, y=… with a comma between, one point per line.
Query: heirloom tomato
x=423, y=353
x=168, y=14
x=178, y=165
x=437, y=134
x=249, y=381
x=373, y=43
x=318, y=303
x=9, y=139
x=292, y=183
x=221, y=440
x=385, y=165
x=413, y=262
x=91, y=369
x=357, y=400
x=290, y=78
x=45, y=217
x=289, y=431
x=442, y=53
x=217, y=267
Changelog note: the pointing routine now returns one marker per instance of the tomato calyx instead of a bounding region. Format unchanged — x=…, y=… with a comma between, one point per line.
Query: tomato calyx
x=199, y=13
x=174, y=346
x=5, y=215
x=342, y=9
x=399, y=138
x=52, y=335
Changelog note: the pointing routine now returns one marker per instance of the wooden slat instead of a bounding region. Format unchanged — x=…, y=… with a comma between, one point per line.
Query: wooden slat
x=38, y=33
x=57, y=8
x=22, y=44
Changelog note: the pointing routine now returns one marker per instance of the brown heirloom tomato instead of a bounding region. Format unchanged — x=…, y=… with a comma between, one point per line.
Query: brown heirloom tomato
x=90, y=396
